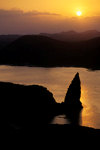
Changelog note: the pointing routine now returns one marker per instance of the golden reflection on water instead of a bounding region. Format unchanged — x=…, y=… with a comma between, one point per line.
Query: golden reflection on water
x=61, y=119
x=84, y=100
x=89, y=112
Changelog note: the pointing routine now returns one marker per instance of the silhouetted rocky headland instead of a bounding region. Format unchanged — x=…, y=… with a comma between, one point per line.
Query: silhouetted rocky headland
x=29, y=108
x=24, y=107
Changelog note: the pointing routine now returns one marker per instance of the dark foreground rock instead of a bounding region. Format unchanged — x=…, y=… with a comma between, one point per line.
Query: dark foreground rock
x=73, y=94
x=24, y=106
x=72, y=105
x=69, y=135
x=73, y=130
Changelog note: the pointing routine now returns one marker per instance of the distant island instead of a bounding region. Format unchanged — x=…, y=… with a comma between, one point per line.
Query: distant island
x=45, y=51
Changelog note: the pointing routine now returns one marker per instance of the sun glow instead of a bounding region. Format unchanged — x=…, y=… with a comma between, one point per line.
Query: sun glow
x=79, y=13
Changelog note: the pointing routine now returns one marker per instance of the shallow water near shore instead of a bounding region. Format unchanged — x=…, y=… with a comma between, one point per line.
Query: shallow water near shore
x=57, y=81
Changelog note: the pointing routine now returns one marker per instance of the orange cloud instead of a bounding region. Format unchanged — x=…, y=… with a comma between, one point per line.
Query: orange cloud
x=19, y=22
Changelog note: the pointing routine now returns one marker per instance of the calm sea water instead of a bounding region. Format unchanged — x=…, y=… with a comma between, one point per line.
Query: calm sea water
x=57, y=81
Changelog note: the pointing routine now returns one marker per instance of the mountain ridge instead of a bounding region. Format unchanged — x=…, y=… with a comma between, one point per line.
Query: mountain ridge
x=73, y=35
x=36, y=50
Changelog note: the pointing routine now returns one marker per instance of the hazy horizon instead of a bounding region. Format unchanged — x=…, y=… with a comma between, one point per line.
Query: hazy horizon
x=59, y=32
x=34, y=17
x=16, y=21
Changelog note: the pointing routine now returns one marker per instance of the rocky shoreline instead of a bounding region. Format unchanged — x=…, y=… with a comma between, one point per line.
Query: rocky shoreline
x=29, y=109
x=72, y=130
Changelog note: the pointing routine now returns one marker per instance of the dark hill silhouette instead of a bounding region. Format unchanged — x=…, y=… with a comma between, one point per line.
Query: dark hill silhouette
x=73, y=36
x=7, y=39
x=43, y=51
x=32, y=50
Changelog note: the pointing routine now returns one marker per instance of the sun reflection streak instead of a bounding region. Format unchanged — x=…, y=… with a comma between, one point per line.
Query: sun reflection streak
x=88, y=117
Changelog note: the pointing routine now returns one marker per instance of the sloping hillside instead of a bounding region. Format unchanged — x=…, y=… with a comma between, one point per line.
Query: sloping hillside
x=38, y=50
x=7, y=39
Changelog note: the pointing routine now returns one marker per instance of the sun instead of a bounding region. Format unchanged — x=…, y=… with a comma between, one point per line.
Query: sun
x=79, y=13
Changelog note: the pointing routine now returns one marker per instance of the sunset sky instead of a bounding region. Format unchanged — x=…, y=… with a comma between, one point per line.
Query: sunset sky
x=35, y=16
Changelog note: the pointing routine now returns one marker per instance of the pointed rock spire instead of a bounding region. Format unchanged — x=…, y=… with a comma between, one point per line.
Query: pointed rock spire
x=74, y=92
